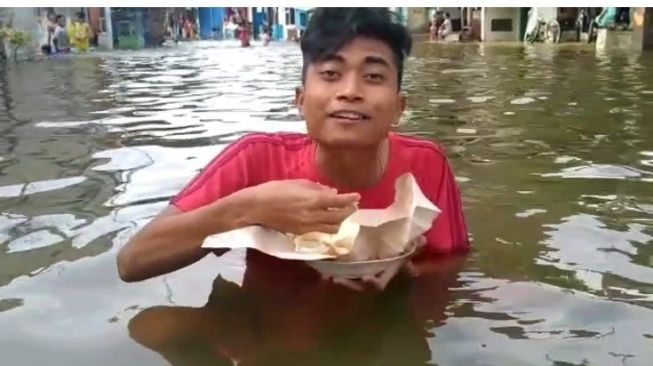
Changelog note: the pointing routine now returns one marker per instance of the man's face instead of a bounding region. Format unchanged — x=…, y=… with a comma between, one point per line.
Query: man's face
x=351, y=98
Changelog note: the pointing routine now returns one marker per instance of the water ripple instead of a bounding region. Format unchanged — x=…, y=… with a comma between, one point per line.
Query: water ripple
x=550, y=145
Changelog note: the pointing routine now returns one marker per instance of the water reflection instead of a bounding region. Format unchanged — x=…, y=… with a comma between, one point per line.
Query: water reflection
x=550, y=145
x=286, y=315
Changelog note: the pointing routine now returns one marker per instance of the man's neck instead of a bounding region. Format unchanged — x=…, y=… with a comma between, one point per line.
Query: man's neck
x=354, y=168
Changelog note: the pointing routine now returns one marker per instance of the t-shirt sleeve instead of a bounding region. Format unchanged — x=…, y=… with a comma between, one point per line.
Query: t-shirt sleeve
x=227, y=173
x=449, y=231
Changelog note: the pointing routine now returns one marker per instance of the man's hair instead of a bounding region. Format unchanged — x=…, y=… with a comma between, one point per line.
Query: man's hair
x=330, y=29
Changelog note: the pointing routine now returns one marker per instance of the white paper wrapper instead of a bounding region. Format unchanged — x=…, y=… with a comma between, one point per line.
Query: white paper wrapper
x=365, y=235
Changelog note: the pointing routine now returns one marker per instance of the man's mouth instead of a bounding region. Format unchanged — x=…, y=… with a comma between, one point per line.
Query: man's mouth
x=349, y=115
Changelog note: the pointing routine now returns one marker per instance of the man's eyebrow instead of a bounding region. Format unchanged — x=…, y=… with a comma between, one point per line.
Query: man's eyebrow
x=373, y=60
x=332, y=57
x=377, y=60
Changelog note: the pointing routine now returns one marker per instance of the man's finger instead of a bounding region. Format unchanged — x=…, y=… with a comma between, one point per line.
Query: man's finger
x=351, y=284
x=335, y=216
x=316, y=186
x=389, y=273
x=374, y=282
x=420, y=243
x=410, y=269
x=338, y=200
x=380, y=281
x=327, y=228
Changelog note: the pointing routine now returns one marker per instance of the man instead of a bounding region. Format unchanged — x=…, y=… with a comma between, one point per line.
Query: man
x=244, y=33
x=433, y=29
x=265, y=33
x=579, y=25
x=445, y=28
x=61, y=43
x=296, y=183
x=606, y=18
x=48, y=32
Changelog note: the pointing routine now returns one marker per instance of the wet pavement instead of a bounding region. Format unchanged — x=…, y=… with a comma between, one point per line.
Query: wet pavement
x=552, y=147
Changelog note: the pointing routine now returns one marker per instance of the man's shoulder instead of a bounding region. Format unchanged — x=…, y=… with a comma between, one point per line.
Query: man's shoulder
x=255, y=145
x=418, y=147
x=277, y=140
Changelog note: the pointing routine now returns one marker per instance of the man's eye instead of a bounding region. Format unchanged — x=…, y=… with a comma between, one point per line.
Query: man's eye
x=329, y=74
x=375, y=77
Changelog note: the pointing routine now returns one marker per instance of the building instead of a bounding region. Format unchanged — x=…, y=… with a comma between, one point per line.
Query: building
x=99, y=20
x=509, y=24
x=401, y=15
x=502, y=24
x=285, y=23
x=212, y=22
x=33, y=21
x=417, y=20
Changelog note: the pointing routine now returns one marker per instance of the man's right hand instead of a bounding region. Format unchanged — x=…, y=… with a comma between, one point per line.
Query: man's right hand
x=300, y=206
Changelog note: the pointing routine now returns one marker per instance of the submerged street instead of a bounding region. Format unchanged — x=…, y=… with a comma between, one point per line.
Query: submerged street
x=552, y=146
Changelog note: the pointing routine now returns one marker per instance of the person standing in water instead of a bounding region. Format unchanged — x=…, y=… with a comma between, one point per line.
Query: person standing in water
x=350, y=96
x=244, y=33
x=433, y=29
x=79, y=33
x=445, y=28
x=47, y=36
x=265, y=33
x=61, y=42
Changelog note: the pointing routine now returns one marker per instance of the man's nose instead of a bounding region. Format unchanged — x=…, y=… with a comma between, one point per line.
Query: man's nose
x=351, y=90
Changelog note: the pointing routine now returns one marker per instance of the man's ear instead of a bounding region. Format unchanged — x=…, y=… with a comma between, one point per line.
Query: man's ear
x=299, y=100
x=402, y=103
x=401, y=106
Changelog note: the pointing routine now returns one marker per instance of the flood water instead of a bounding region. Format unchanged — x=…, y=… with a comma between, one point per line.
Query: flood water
x=552, y=147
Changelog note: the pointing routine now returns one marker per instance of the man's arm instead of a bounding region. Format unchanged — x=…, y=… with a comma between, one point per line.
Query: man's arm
x=173, y=239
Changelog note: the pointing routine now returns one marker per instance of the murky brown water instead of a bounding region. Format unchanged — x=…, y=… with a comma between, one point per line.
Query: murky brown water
x=553, y=148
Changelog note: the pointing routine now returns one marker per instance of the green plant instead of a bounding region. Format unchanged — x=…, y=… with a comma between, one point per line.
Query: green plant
x=17, y=39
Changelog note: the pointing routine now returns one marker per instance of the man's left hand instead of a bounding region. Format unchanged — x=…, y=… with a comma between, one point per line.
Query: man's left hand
x=380, y=281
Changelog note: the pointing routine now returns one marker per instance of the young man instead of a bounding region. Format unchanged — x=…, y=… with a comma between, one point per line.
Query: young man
x=61, y=43
x=350, y=98
x=446, y=27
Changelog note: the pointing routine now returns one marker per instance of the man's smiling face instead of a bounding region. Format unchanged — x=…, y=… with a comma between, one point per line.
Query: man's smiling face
x=351, y=97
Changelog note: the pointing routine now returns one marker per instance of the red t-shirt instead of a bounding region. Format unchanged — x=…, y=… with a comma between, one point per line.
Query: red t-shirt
x=260, y=157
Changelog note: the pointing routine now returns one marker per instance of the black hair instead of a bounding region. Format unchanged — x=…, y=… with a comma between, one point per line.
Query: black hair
x=330, y=29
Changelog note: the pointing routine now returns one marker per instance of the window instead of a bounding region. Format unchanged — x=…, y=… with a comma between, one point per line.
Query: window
x=501, y=25
x=290, y=15
x=103, y=20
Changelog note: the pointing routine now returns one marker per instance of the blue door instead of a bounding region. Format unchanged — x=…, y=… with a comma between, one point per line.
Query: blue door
x=211, y=20
x=259, y=19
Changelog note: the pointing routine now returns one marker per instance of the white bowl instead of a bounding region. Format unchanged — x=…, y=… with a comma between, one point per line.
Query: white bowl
x=331, y=268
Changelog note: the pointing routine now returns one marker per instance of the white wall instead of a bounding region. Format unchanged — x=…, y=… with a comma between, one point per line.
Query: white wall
x=26, y=20
x=499, y=13
x=418, y=19
x=282, y=16
x=547, y=13
x=454, y=13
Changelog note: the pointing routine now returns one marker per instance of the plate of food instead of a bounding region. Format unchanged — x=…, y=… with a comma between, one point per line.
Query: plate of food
x=358, y=269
